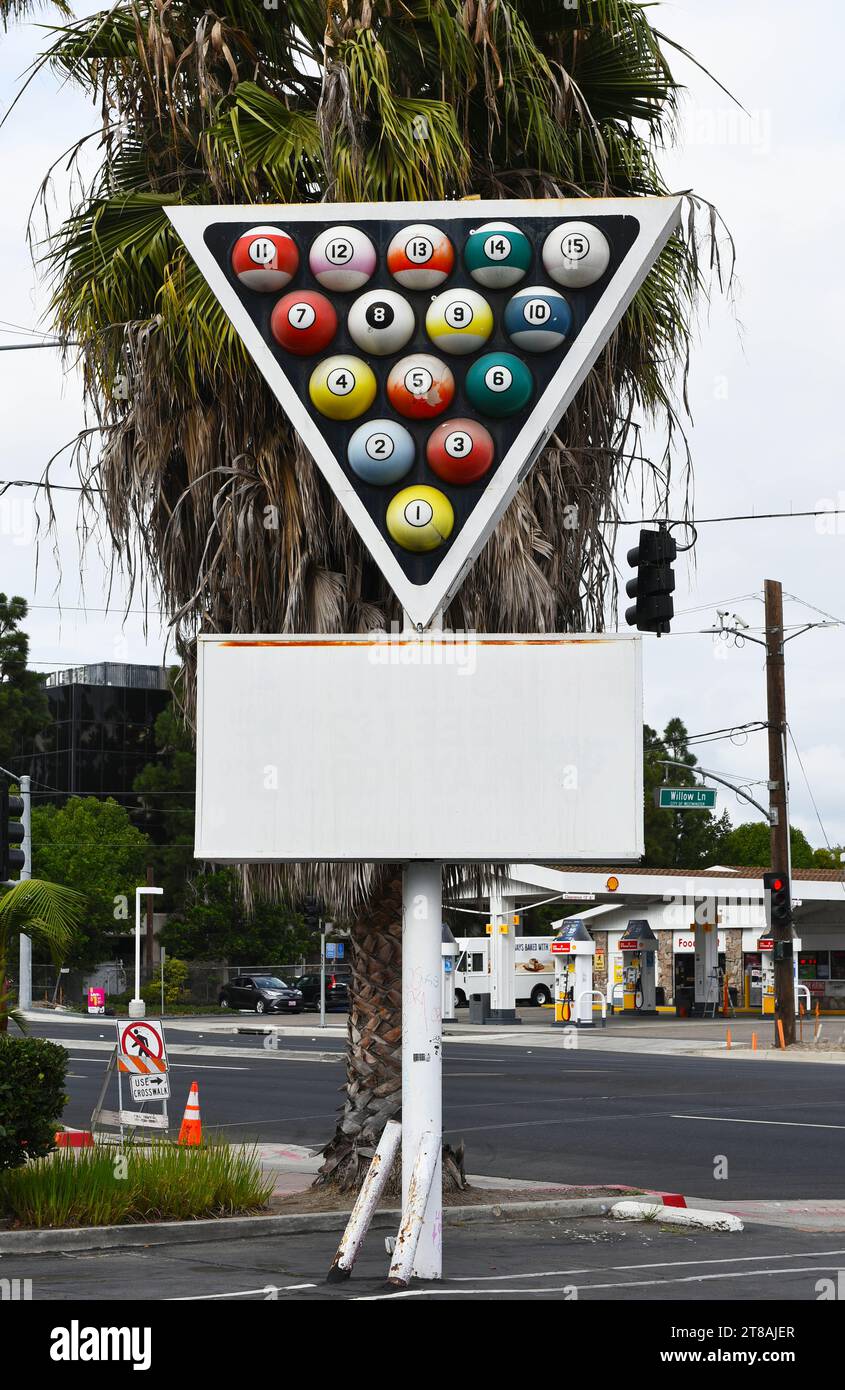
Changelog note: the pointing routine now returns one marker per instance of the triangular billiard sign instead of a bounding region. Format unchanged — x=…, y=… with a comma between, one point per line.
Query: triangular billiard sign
x=425, y=352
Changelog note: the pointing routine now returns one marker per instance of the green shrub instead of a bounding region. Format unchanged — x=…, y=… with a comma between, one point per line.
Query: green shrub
x=175, y=984
x=152, y=1182
x=32, y=1097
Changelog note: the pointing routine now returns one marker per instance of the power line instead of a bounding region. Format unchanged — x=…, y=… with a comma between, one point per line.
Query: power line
x=606, y=521
x=810, y=790
x=714, y=520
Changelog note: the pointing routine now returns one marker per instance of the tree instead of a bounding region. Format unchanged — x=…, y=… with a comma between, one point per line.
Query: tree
x=829, y=858
x=361, y=101
x=750, y=844
x=91, y=846
x=23, y=704
x=167, y=789
x=677, y=839
x=216, y=924
x=48, y=912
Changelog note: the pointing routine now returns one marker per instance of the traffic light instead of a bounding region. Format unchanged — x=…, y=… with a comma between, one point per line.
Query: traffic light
x=311, y=914
x=11, y=833
x=654, y=583
x=778, y=900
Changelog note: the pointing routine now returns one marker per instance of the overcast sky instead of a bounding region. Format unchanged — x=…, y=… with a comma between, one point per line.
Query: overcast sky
x=765, y=390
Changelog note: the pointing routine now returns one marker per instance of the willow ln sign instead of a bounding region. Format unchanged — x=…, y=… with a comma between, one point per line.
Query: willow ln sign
x=686, y=798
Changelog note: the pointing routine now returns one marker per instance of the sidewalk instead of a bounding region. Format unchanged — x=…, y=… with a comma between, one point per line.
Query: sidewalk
x=667, y=1036
x=295, y=1168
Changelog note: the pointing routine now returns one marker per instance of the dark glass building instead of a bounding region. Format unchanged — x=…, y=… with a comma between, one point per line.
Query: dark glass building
x=101, y=732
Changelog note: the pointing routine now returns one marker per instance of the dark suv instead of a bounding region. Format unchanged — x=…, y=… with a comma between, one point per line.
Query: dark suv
x=266, y=994
x=337, y=990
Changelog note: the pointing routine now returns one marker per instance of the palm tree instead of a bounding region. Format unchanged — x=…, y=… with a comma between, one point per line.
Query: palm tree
x=347, y=100
x=49, y=913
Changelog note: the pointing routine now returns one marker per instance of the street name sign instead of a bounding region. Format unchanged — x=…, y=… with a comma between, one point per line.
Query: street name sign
x=686, y=798
x=426, y=351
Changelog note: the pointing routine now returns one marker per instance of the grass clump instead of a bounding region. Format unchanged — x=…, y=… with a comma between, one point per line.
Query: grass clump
x=152, y=1182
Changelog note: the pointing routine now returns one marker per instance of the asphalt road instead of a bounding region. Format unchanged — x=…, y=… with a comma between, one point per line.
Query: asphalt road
x=592, y=1259
x=772, y=1130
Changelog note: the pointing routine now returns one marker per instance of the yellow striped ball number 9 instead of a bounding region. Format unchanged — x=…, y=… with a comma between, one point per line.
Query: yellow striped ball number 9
x=342, y=388
x=420, y=518
x=459, y=321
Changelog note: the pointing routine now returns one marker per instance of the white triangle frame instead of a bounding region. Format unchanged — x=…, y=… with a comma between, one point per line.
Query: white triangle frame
x=657, y=217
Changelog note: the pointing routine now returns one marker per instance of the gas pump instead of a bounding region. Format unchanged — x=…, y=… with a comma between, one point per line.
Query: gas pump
x=766, y=947
x=449, y=952
x=639, y=956
x=573, y=950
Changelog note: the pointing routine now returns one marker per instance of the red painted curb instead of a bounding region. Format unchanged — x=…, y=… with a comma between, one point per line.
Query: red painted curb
x=673, y=1199
x=74, y=1139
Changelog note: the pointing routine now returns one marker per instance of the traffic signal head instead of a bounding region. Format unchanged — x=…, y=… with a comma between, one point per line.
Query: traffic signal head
x=311, y=913
x=654, y=583
x=12, y=859
x=778, y=900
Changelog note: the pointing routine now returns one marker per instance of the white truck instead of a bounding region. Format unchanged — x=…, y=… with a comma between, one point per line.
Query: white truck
x=534, y=973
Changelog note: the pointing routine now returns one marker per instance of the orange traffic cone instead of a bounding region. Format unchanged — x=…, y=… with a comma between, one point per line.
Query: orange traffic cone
x=191, y=1131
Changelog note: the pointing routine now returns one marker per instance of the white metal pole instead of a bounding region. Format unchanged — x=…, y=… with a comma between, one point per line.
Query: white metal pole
x=422, y=1063
x=25, y=958
x=366, y=1202
x=26, y=821
x=137, y=1007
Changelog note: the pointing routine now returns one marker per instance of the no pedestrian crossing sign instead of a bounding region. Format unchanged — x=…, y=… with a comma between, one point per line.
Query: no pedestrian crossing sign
x=140, y=1047
x=686, y=798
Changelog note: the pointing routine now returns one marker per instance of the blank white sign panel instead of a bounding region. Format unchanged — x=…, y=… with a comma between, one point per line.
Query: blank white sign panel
x=394, y=748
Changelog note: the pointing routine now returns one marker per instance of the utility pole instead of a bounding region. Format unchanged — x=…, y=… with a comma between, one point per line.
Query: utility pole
x=779, y=801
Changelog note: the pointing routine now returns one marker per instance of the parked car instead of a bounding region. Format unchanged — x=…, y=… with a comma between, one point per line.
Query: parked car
x=266, y=994
x=337, y=990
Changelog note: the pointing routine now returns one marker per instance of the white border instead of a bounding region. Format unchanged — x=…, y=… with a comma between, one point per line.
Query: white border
x=658, y=217
x=425, y=642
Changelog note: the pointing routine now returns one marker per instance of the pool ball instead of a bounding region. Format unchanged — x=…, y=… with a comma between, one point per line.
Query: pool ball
x=342, y=258
x=576, y=254
x=342, y=387
x=381, y=322
x=537, y=319
x=459, y=451
x=459, y=321
x=303, y=322
x=381, y=451
x=420, y=386
x=420, y=518
x=420, y=257
x=497, y=255
x=499, y=384
x=265, y=258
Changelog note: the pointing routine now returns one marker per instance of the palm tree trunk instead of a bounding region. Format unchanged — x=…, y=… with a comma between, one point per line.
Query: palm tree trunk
x=374, y=1050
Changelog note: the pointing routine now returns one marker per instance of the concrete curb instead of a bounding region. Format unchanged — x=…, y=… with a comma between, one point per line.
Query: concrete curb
x=676, y=1216
x=295, y=1223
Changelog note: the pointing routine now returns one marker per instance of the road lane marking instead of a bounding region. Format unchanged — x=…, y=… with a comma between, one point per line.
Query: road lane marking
x=239, y=1293
x=183, y=1066
x=564, y=1120
x=657, y=1264
x=586, y=1288
x=783, y=1124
